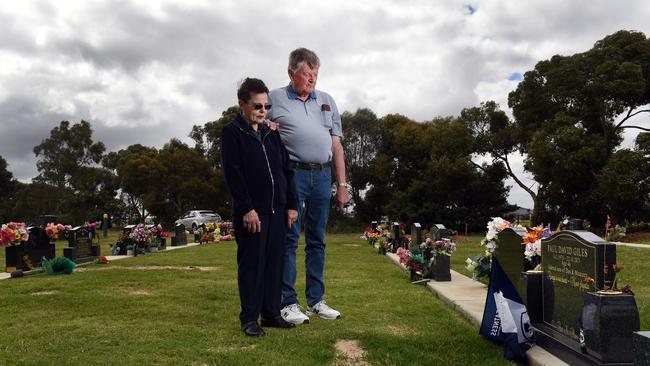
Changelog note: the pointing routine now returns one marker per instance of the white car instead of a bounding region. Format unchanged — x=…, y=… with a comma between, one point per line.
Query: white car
x=195, y=218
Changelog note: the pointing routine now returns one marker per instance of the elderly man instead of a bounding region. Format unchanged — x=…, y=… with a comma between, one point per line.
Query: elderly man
x=310, y=126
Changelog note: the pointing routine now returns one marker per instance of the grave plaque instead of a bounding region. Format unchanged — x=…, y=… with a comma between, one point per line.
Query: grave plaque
x=80, y=246
x=179, y=237
x=439, y=231
x=373, y=225
x=28, y=254
x=416, y=234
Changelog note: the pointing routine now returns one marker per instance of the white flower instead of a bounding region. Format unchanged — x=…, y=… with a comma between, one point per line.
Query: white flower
x=491, y=245
x=491, y=234
x=471, y=265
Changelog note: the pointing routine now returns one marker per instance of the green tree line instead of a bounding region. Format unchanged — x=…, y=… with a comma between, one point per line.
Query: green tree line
x=568, y=118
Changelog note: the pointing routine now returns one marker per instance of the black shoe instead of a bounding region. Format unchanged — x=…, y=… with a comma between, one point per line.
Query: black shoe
x=277, y=322
x=252, y=329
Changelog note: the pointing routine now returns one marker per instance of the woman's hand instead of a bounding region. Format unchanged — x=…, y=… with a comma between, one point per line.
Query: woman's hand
x=272, y=125
x=252, y=222
x=292, y=216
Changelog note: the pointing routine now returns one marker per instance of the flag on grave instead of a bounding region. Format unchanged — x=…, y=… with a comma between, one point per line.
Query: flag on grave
x=505, y=319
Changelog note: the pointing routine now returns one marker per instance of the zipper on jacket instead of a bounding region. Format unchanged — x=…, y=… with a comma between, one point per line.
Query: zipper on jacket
x=268, y=165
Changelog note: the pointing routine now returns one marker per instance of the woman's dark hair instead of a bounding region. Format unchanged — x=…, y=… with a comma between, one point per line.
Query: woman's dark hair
x=251, y=86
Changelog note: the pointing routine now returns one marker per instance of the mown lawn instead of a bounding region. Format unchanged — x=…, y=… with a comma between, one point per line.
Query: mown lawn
x=134, y=311
x=636, y=272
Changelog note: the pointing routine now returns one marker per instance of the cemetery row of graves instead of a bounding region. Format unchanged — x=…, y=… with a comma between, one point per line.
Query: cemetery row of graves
x=30, y=248
x=566, y=278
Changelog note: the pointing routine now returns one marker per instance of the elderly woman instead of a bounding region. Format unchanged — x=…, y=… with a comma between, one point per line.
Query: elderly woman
x=256, y=168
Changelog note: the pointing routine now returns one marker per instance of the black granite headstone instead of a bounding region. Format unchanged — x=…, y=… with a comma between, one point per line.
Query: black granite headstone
x=580, y=324
x=439, y=231
x=80, y=246
x=28, y=254
x=373, y=225
x=179, y=237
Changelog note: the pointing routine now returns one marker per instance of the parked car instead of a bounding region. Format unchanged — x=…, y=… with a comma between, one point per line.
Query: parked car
x=195, y=218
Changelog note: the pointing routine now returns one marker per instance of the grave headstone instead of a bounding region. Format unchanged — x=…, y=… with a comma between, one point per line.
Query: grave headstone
x=439, y=231
x=510, y=253
x=29, y=254
x=580, y=324
x=120, y=248
x=416, y=234
x=373, y=225
x=395, y=237
x=179, y=237
x=80, y=246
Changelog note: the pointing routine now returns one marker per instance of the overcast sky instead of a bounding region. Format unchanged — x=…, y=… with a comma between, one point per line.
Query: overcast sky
x=146, y=71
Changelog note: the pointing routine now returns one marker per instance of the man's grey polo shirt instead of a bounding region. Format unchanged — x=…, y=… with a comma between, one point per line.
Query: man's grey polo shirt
x=306, y=127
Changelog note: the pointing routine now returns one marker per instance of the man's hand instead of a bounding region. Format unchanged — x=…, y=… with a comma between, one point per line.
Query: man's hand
x=272, y=125
x=252, y=222
x=292, y=216
x=342, y=197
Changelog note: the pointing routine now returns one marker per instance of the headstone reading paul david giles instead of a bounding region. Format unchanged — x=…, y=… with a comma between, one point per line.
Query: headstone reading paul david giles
x=582, y=325
x=29, y=254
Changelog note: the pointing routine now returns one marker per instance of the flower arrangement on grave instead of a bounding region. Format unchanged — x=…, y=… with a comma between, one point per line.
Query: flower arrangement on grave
x=384, y=239
x=480, y=265
x=54, y=231
x=12, y=233
x=411, y=260
x=140, y=236
x=444, y=246
x=533, y=244
x=101, y=260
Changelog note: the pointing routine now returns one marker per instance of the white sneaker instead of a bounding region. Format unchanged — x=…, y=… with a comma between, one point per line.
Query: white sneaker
x=323, y=311
x=293, y=314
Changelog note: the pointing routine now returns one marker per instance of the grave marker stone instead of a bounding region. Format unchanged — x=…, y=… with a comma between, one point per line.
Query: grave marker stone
x=179, y=237
x=416, y=234
x=580, y=324
x=439, y=231
x=395, y=237
x=80, y=246
x=29, y=254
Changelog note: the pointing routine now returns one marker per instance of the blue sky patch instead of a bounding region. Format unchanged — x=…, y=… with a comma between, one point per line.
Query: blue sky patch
x=516, y=76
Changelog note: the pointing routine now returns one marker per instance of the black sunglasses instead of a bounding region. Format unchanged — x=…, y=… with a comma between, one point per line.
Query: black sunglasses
x=258, y=106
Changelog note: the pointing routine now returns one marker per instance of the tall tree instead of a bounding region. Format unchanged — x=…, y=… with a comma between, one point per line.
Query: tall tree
x=569, y=114
x=7, y=187
x=67, y=149
x=361, y=139
x=207, y=137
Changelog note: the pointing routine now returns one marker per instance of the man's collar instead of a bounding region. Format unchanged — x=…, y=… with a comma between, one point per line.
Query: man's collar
x=293, y=95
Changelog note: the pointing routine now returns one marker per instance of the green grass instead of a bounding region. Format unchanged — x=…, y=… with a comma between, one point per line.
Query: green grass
x=636, y=272
x=169, y=317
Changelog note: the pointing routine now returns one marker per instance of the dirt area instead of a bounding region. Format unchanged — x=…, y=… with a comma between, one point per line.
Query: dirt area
x=349, y=353
x=44, y=293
